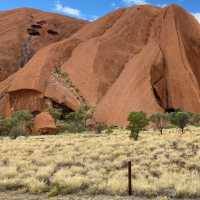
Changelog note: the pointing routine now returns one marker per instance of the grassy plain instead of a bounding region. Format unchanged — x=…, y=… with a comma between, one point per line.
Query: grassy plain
x=92, y=164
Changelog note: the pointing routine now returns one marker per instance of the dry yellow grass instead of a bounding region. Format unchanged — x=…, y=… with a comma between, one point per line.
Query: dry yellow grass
x=97, y=164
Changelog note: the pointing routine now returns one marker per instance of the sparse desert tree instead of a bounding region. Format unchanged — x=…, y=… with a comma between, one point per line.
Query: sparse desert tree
x=160, y=120
x=180, y=119
x=137, y=122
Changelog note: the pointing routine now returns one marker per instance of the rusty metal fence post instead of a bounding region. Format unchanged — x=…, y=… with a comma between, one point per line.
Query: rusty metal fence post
x=129, y=179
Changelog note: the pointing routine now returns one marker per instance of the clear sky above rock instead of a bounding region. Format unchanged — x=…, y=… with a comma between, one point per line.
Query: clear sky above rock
x=93, y=9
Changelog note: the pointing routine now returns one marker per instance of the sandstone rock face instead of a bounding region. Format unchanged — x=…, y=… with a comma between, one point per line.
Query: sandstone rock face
x=24, y=31
x=44, y=124
x=142, y=58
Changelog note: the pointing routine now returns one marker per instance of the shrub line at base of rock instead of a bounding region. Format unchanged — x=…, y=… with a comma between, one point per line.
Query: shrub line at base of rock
x=56, y=120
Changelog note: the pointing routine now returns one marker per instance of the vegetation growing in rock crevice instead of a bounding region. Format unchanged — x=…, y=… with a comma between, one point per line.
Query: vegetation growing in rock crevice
x=66, y=81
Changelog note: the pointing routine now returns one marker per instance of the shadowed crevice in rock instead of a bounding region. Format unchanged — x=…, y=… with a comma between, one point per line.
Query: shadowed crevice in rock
x=52, y=32
x=26, y=52
x=36, y=26
x=159, y=81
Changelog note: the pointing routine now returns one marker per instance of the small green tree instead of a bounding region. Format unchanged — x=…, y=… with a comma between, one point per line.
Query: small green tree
x=160, y=121
x=180, y=119
x=137, y=122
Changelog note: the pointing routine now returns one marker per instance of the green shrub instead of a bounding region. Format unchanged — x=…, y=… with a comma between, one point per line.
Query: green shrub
x=180, y=119
x=18, y=131
x=137, y=122
x=19, y=123
x=56, y=113
x=72, y=127
x=22, y=116
x=75, y=122
x=160, y=120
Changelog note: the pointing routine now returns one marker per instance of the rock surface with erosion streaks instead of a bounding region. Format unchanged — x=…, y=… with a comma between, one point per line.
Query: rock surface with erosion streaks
x=141, y=58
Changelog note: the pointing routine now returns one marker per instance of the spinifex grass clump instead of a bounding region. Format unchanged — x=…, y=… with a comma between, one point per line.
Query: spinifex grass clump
x=93, y=164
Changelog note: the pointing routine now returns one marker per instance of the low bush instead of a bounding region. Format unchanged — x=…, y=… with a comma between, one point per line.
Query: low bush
x=180, y=119
x=56, y=113
x=17, y=132
x=75, y=122
x=72, y=127
x=137, y=122
x=19, y=124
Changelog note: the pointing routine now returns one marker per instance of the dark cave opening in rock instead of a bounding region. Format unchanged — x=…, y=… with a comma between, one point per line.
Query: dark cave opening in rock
x=33, y=32
x=52, y=32
x=35, y=113
x=167, y=109
x=64, y=109
x=170, y=110
x=37, y=26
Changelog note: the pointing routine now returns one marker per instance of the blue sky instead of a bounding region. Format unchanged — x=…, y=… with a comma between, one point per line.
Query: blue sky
x=93, y=9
